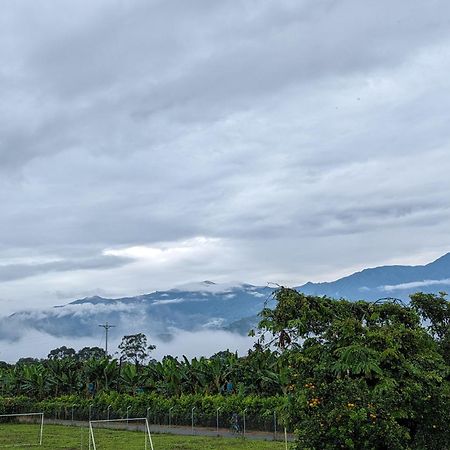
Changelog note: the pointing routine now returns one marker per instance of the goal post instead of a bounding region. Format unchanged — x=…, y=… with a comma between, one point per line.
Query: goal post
x=120, y=425
x=30, y=437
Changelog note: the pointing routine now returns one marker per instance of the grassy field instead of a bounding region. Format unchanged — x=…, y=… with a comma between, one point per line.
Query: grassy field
x=74, y=438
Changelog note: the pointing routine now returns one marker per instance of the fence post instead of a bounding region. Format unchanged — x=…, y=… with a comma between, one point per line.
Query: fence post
x=73, y=406
x=148, y=415
x=128, y=412
x=170, y=416
x=274, y=425
x=108, y=412
x=90, y=411
x=192, y=419
x=217, y=419
x=243, y=416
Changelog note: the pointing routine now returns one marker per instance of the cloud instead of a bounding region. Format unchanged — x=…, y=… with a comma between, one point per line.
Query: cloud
x=36, y=344
x=415, y=284
x=172, y=300
x=152, y=144
x=167, y=253
x=9, y=272
x=203, y=343
x=190, y=344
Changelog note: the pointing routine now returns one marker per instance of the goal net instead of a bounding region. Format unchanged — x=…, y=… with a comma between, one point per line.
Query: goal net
x=132, y=434
x=21, y=430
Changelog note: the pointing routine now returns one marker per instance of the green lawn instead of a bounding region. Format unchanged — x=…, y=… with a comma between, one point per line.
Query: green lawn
x=74, y=438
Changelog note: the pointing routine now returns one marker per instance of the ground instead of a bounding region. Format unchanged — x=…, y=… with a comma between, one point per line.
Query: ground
x=75, y=438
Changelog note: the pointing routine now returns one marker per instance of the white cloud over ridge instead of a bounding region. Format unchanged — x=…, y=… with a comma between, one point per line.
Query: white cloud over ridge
x=172, y=300
x=416, y=284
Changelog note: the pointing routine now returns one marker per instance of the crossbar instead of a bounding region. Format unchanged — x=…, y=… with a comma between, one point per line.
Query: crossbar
x=119, y=420
x=22, y=414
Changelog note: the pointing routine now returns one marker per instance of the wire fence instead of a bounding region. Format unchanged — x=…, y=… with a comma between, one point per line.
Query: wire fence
x=239, y=421
x=196, y=417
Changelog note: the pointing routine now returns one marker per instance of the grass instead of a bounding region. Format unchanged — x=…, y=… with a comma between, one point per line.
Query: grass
x=74, y=438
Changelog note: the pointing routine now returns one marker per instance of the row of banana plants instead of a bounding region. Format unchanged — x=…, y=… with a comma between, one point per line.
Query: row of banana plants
x=260, y=372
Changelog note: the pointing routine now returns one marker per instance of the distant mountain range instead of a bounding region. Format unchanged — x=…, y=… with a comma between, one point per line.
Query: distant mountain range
x=199, y=306
x=387, y=281
x=208, y=305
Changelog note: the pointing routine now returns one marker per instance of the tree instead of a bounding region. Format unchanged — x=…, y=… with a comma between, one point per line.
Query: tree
x=364, y=375
x=101, y=372
x=4, y=365
x=34, y=380
x=134, y=348
x=88, y=353
x=435, y=312
x=62, y=353
x=27, y=360
x=65, y=375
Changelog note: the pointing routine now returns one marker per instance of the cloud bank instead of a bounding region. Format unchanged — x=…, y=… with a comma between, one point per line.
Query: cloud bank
x=191, y=344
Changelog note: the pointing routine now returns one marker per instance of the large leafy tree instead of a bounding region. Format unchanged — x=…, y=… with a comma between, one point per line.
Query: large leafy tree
x=87, y=353
x=135, y=348
x=62, y=353
x=367, y=375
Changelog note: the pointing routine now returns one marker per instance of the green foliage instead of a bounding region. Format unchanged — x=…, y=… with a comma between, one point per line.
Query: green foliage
x=260, y=372
x=365, y=375
x=87, y=353
x=259, y=410
x=134, y=348
x=62, y=353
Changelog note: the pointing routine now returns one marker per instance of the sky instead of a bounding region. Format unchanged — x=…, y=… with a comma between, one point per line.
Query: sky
x=146, y=144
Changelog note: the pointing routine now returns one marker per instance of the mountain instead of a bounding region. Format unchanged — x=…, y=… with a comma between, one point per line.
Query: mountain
x=193, y=307
x=211, y=306
x=387, y=281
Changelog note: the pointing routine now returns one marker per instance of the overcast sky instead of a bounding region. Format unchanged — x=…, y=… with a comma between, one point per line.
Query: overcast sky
x=145, y=143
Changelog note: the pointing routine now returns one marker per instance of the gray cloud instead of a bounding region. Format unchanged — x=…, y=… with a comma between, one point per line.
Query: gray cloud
x=258, y=141
x=11, y=272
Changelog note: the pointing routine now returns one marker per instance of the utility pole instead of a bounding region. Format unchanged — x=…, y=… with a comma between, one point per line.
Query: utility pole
x=106, y=326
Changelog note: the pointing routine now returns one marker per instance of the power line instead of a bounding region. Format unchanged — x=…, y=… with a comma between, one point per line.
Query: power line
x=106, y=326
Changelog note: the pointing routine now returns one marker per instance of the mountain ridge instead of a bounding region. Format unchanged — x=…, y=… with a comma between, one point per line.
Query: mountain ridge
x=216, y=306
x=373, y=283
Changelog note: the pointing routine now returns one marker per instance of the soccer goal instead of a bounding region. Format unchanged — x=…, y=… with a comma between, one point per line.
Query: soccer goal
x=21, y=430
x=134, y=432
